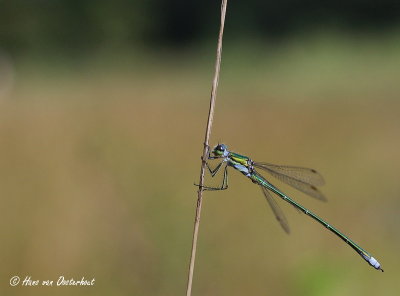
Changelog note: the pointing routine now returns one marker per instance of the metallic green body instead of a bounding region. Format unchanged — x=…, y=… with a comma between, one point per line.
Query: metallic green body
x=257, y=178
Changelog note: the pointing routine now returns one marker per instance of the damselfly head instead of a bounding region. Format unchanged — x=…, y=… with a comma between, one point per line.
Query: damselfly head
x=220, y=150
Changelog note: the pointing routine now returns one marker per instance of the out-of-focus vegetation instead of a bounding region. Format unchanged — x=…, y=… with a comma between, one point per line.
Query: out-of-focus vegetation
x=83, y=26
x=99, y=148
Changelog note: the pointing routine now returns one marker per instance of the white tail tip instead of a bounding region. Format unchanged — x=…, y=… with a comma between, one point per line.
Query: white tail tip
x=372, y=261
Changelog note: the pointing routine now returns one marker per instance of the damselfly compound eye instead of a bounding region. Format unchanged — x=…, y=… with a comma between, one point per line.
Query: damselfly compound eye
x=221, y=147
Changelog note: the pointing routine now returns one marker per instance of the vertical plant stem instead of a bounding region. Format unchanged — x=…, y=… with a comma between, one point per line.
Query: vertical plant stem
x=206, y=148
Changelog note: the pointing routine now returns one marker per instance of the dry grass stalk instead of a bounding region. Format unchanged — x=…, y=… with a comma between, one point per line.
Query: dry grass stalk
x=206, y=148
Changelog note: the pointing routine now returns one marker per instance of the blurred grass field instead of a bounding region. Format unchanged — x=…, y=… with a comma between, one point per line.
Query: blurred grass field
x=99, y=156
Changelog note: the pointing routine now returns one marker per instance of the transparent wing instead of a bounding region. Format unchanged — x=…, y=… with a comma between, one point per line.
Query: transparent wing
x=303, y=179
x=276, y=209
x=305, y=175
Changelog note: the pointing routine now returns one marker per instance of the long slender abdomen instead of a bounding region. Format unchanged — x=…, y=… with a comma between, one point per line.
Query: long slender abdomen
x=364, y=254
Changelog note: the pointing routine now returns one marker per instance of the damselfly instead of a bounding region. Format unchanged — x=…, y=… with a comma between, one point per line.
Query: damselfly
x=303, y=179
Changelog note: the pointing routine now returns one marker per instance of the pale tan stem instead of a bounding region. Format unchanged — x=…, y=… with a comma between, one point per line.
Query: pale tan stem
x=206, y=148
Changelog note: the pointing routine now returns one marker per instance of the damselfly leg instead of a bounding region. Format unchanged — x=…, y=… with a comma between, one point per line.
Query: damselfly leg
x=213, y=172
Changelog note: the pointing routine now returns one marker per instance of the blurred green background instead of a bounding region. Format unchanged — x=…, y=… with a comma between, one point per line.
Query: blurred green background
x=103, y=108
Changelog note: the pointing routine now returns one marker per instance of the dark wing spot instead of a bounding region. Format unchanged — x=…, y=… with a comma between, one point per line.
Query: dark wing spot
x=313, y=187
x=314, y=171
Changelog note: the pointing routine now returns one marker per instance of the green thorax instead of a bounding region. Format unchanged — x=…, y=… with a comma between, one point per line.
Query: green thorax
x=237, y=158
